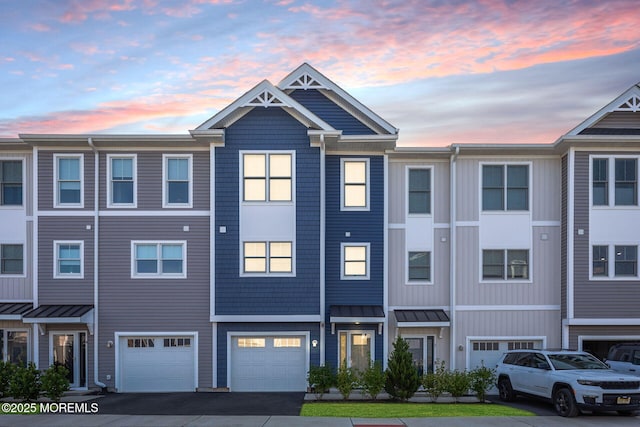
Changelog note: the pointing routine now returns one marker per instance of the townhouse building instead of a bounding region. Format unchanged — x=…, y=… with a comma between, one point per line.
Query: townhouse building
x=290, y=230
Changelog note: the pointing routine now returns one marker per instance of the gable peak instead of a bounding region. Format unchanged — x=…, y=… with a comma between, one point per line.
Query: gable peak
x=305, y=81
x=632, y=104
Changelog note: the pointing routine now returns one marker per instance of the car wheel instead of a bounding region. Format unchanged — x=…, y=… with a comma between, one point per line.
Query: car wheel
x=564, y=403
x=506, y=391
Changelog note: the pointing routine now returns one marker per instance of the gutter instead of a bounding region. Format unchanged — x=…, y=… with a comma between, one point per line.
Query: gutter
x=452, y=261
x=96, y=205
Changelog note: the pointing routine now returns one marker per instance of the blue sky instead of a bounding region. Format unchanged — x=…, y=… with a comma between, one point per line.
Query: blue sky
x=441, y=71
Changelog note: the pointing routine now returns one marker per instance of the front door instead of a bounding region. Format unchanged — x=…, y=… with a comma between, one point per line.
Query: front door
x=69, y=349
x=421, y=349
x=356, y=349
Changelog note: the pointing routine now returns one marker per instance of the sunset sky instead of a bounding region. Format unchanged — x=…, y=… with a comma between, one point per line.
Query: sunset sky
x=441, y=71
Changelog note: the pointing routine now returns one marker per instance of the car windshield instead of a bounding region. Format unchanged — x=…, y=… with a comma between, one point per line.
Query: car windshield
x=575, y=361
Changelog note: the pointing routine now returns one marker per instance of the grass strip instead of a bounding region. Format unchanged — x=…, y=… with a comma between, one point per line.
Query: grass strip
x=408, y=410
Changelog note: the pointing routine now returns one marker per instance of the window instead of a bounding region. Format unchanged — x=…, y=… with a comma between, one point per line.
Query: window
x=68, y=180
x=626, y=261
x=600, y=266
x=355, y=263
x=355, y=191
x=267, y=177
x=626, y=186
x=14, y=347
x=69, y=258
x=140, y=343
x=10, y=182
x=156, y=259
x=278, y=255
x=420, y=266
x=11, y=259
x=251, y=342
x=177, y=180
x=486, y=346
x=122, y=188
x=520, y=345
x=419, y=191
x=509, y=264
x=600, y=182
x=287, y=343
x=177, y=342
x=505, y=186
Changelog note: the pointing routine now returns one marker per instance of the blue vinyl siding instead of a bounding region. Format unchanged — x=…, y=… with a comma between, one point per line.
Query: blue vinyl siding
x=331, y=113
x=268, y=129
x=223, y=328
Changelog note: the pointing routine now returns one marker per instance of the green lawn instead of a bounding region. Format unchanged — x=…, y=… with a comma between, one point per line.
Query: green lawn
x=406, y=410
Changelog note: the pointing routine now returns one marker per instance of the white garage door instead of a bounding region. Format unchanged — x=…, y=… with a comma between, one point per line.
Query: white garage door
x=487, y=352
x=157, y=364
x=268, y=363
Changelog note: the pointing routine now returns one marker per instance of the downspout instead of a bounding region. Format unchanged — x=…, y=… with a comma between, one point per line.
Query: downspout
x=322, y=250
x=452, y=261
x=96, y=205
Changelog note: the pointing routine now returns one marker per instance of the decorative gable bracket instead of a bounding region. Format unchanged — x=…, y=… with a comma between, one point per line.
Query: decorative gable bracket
x=632, y=104
x=305, y=81
x=265, y=99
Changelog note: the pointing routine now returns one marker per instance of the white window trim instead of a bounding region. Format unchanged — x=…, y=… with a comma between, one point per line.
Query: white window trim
x=56, y=244
x=165, y=187
x=350, y=333
x=24, y=259
x=611, y=182
x=342, y=260
x=134, y=166
x=406, y=269
x=56, y=202
x=505, y=211
x=267, y=258
x=241, y=154
x=611, y=262
x=24, y=186
x=3, y=349
x=367, y=206
x=419, y=215
x=529, y=280
x=159, y=244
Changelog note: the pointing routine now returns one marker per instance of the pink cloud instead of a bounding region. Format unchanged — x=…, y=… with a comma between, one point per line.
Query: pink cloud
x=39, y=27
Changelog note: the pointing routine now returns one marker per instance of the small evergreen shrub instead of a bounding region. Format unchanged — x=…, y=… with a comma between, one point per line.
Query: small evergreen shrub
x=435, y=383
x=346, y=380
x=25, y=384
x=55, y=382
x=481, y=380
x=401, y=378
x=372, y=380
x=7, y=371
x=321, y=379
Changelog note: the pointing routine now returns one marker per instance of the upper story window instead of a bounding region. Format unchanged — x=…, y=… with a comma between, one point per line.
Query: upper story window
x=505, y=264
x=355, y=187
x=268, y=257
x=355, y=261
x=177, y=180
x=267, y=177
x=121, y=191
x=419, y=191
x=11, y=259
x=10, y=182
x=159, y=259
x=69, y=172
x=419, y=267
x=69, y=259
x=625, y=261
x=617, y=176
x=505, y=187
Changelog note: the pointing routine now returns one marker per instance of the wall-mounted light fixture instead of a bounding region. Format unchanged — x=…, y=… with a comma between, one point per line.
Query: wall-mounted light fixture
x=109, y=344
x=314, y=343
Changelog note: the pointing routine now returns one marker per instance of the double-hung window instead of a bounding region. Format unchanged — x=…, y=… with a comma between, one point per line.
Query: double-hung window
x=177, y=180
x=267, y=177
x=68, y=259
x=68, y=180
x=617, y=176
x=626, y=184
x=623, y=257
x=505, y=264
x=355, y=187
x=159, y=259
x=122, y=180
x=600, y=261
x=11, y=259
x=355, y=261
x=419, y=267
x=419, y=191
x=600, y=182
x=505, y=187
x=626, y=263
x=267, y=257
x=10, y=182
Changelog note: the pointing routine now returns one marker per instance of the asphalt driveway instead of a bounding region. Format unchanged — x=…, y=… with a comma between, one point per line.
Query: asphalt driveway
x=201, y=403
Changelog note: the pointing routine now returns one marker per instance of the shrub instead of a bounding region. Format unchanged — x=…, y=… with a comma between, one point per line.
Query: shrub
x=55, y=382
x=346, y=380
x=435, y=383
x=25, y=384
x=7, y=370
x=401, y=379
x=458, y=383
x=372, y=380
x=481, y=380
x=321, y=378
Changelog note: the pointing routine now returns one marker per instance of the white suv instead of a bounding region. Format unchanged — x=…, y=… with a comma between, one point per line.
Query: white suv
x=571, y=380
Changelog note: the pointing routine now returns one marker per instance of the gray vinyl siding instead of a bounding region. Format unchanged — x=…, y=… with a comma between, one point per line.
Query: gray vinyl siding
x=619, y=119
x=467, y=189
x=154, y=305
x=597, y=298
x=149, y=179
x=67, y=290
x=20, y=288
x=563, y=236
x=546, y=183
x=46, y=184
